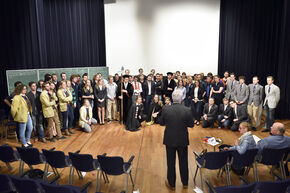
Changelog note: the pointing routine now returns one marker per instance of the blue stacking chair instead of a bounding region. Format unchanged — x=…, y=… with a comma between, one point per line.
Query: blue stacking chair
x=212, y=161
x=3, y=117
x=285, y=161
x=31, y=156
x=248, y=160
x=272, y=157
x=8, y=155
x=26, y=185
x=56, y=159
x=51, y=188
x=116, y=166
x=6, y=184
x=273, y=186
x=83, y=163
x=10, y=125
x=249, y=188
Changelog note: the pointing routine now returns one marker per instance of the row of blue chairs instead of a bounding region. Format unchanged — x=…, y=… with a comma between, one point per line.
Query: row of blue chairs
x=225, y=160
x=104, y=165
x=279, y=186
x=11, y=184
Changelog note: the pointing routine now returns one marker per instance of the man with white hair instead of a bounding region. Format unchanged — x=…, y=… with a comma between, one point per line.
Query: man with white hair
x=176, y=118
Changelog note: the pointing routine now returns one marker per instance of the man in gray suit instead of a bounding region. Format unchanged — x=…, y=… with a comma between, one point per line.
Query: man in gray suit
x=241, y=93
x=272, y=98
x=255, y=100
x=231, y=85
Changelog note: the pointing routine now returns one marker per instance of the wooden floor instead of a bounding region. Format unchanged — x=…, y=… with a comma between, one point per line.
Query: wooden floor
x=149, y=166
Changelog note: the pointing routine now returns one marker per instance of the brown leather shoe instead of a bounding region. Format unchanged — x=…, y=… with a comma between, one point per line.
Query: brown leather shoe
x=71, y=131
x=185, y=186
x=67, y=133
x=168, y=185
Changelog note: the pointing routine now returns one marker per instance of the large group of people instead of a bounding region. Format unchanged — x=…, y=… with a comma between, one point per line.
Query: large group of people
x=52, y=108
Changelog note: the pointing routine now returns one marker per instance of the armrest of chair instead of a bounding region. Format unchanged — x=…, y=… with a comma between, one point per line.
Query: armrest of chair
x=245, y=181
x=52, y=149
x=85, y=187
x=131, y=159
x=210, y=186
x=78, y=151
x=54, y=179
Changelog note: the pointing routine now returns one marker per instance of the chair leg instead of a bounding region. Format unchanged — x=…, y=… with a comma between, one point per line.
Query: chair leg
x=45, y=171
x=127, y=188
x=72, y=176
x=132, y=179
x=21, y=167
x=283, y=175
x=100, y=180
x=201, y=179
x=69, y=177
x=228, y=175
x=194, y=178
x=97, y=181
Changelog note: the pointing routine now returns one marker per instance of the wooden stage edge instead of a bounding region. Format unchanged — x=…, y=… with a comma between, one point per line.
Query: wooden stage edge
x=149, y=165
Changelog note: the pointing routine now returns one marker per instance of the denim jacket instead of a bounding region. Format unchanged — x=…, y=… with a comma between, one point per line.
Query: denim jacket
x=246, y=142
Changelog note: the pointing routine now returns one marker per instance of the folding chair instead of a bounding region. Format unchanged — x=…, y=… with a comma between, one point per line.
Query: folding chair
x=8, y=155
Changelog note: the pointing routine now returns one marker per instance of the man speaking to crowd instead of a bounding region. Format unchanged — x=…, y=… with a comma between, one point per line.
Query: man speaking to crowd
x=176, y=118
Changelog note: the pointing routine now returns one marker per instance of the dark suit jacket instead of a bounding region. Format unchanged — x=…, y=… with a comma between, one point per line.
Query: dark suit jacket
x=100, y=94
x=35, y=102
x=228, y=112
x=172, y=85
x=146, y=89
x=200, y=93
x=242, y=113
x=213, y=111
x=176, y=118
x=159, y=88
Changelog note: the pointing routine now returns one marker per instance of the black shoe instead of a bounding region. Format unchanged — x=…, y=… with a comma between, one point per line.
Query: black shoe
x=266, y=130
x=61, y=138
x=254, y=128
x=52, y=140
x=26, y=146
x=30, y=145
x=133, y=130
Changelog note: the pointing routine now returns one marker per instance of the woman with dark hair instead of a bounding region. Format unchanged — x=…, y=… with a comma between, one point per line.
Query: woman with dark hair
x=197, y=96
x=100, y=91
x=87, y=92
x=182, y=89
x=136, y=115
x=216, y=91
x=21, y=112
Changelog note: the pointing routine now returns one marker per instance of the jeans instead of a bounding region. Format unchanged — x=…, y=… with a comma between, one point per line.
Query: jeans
x=87, y=128
x=226, y=124
x=270, y=116
x=70, y=112
x=37, y=122
x=196, y=109
x=148, y=100
x=25, y=130
x=64, y=120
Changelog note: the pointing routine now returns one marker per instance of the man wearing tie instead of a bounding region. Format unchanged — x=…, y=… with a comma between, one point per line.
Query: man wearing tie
x=255, y=99
x=241, y=93
x=231, y=85
x=240, y=115
x=148, y=92
x=210, y=113
x=272, y=98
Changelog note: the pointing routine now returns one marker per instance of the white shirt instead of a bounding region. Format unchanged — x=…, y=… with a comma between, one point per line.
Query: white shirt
x=111, y=90
x=196, y=92
x=149, y=87
x=209, y=108
x=225, y=108
x=125, y=85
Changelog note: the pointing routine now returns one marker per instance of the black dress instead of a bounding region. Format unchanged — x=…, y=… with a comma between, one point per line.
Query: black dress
x=133, y=119
x=100, y=94
x=127, y=99
x=154, y=108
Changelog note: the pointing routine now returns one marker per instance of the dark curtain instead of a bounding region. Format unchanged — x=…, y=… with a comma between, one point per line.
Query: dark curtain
x=253, y=41
x=50, y=34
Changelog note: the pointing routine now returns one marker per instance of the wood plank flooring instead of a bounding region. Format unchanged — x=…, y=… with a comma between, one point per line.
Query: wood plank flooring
x=149, y=165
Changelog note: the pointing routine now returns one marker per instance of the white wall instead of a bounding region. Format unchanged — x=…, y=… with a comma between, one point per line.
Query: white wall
x=167, y=35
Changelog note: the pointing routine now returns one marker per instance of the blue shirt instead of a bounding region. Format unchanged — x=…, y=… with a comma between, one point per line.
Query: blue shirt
x=246, y=142
x=274, y=142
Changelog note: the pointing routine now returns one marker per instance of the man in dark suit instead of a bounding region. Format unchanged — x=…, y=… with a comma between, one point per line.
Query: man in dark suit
x=148, y=92
x=169, y=85
x=240, y=115
x=176, y=118
x=225, y=116
x=210, y=113
x=125, y=94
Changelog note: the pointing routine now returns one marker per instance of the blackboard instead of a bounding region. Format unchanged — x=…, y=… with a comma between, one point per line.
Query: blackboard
x=25, y=76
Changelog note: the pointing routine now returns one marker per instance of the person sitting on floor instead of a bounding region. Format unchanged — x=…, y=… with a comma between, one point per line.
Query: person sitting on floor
x=240, y=115
x=86, y=117
x=210, y=112
x=135, y=116
x=225, y=117
x=154, y=111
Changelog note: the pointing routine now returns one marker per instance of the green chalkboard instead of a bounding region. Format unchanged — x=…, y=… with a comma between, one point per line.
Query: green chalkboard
x=25, y=76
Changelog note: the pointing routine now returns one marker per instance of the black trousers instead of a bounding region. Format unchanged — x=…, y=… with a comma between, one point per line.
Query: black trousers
x=183, y=164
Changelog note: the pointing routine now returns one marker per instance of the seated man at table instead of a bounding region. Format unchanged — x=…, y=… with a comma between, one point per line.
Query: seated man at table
x=276, y=141
x=210, y=112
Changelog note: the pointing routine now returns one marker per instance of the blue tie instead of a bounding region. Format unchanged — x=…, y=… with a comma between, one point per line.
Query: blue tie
x=254, y=88
x=269, y=89
x=241, y=87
